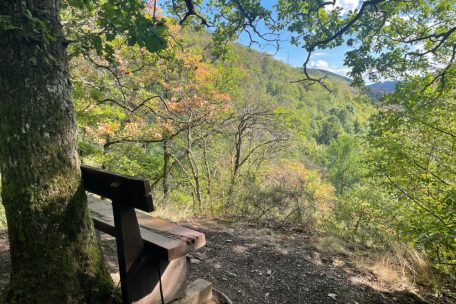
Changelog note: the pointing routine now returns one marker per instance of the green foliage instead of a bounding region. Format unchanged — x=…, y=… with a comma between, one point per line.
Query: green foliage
x=330, y=130
x=365, y=213
x=272, y=113
x=389, y=39
x=6, y=24
x=344, y=162
x=414, y=158
x=135, y=20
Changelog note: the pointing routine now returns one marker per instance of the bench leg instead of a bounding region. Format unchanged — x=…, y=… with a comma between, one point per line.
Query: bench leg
x=144, y=285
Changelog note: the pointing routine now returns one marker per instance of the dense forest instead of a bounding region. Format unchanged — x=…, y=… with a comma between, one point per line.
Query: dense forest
x=233, y=133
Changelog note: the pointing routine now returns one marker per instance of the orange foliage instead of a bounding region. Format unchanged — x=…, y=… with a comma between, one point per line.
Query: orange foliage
x=182, y=80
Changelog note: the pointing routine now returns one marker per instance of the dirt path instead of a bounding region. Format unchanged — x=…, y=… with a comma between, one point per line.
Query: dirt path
x=253, y=265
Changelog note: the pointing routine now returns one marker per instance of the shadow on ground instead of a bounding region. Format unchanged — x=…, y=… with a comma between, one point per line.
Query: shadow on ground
x=251, y=266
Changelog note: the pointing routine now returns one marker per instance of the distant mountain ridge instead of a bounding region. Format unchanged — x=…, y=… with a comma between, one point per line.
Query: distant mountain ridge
x=386, y=86
x=378, y=90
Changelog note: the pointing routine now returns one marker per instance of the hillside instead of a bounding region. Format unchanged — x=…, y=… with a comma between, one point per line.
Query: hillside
x=154, y=122
x=386, y=86
x=288, y=124
x=316, y=103
x=276, y=78
x=378, y=90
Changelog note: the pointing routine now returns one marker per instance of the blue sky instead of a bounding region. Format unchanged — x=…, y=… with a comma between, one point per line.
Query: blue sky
x=329, y=59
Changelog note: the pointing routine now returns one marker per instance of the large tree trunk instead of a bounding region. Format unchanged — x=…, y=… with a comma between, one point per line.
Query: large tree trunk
x=54, y=253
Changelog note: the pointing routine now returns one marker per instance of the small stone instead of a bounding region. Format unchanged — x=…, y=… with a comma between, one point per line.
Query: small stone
x=194, y=261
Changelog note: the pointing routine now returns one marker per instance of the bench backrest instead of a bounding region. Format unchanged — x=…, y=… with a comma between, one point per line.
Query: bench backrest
x=133, y=191
x=126, y=193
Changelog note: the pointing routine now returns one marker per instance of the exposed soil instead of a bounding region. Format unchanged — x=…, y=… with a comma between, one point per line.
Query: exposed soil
x=253, y=265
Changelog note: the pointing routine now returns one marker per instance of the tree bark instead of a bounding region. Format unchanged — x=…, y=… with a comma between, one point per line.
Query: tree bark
x=54, y=253
x=195, y=171
x=208, y=175
x=166, y=169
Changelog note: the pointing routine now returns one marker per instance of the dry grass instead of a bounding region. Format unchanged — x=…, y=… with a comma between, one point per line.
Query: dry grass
x=331, y=245
x=405, y=262
x=170, y=212
x=397, y=269
x=400, y=268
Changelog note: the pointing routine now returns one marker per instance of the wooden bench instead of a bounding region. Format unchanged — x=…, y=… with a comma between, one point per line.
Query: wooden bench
x=151, y=251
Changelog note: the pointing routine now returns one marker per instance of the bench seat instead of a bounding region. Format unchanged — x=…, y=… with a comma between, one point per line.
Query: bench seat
x=169, y=240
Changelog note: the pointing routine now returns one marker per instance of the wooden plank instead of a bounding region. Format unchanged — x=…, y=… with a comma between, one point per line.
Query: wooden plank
x=161, y=237
x=134, y=191
x=145, y=282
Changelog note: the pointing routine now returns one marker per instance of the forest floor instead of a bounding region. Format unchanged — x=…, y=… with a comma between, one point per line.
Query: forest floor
x=269, y=265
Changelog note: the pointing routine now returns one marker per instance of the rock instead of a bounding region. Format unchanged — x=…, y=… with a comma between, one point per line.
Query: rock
x=198, y=292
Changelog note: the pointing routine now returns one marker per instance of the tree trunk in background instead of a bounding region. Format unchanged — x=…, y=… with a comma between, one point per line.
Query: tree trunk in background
x=195, y=172
x=236, y=165
x=54, y=253
x=166, y=169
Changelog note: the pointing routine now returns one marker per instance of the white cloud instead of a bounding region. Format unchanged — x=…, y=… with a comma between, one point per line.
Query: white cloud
x=319, y=64
x=319, y=54
x=324, y=65
x=346, y=5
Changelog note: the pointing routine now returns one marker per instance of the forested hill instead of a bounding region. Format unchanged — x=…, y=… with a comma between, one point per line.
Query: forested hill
x=282, y=121
x=386, y=86
x=288, y=123
x=240, y=137
x=279, y=80
x=341, y=109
